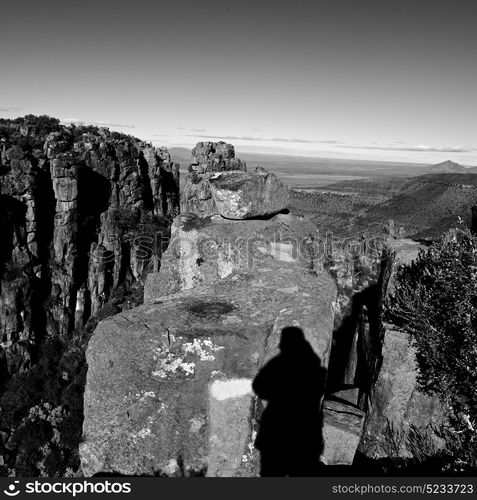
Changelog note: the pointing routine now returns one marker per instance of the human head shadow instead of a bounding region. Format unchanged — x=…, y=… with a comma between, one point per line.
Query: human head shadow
x=292, y=383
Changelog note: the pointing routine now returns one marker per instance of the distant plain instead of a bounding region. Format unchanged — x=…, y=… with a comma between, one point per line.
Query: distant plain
x=308, y=172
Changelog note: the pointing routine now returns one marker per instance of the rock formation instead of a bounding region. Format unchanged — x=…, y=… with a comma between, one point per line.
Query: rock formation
x=169, y=383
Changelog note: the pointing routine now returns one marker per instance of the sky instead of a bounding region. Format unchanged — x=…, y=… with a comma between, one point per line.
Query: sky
x=367, y=79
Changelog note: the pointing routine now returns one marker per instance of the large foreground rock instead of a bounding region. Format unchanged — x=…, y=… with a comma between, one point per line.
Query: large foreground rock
x=242, y=195
x=168, y=385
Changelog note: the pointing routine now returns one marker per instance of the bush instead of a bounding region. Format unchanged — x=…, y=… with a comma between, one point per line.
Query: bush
x=43, y=408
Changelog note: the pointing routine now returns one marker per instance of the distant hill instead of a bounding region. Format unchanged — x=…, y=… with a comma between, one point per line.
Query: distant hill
x=447, y=167
x=180, y=155
x=428, y=205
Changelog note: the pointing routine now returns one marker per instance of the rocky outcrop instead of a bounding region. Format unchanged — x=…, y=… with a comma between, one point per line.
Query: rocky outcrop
x=218, y=183
x=243, y=195
x=215, y=157
x=169, y=386
x=207, y=158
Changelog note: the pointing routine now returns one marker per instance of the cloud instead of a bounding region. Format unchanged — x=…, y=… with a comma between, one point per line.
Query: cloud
x=200, y=130
x=9, y=109
x=99, y=123
x=418, y=149
x=113, y=124
x=264, y=139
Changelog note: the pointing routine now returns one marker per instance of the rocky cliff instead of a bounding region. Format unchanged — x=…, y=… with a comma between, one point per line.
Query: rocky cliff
x=86, y=215
x=79, y=211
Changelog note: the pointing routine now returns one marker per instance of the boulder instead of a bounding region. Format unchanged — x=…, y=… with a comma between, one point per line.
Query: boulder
x=168, y=384
x=218, y=183
x=243, y=195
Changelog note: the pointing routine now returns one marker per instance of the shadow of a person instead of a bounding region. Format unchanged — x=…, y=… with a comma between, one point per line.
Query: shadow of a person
x=290, y=436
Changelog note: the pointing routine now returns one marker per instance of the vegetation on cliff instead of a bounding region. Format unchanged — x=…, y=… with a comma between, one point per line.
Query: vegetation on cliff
x=435, y=301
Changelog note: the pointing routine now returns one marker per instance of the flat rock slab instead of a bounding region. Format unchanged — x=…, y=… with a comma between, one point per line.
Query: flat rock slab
x=207, y=249
x=152, y=403
x=242, y=195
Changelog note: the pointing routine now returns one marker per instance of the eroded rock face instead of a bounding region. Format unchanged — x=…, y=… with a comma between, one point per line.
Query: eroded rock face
x=71, y=203
x=170, y=381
